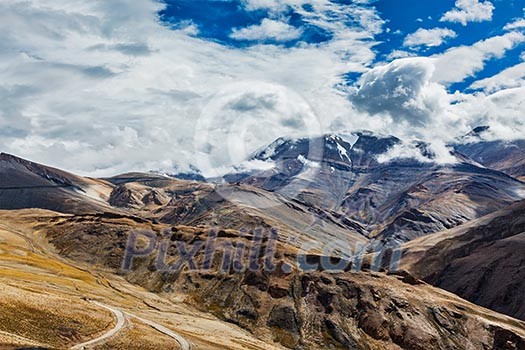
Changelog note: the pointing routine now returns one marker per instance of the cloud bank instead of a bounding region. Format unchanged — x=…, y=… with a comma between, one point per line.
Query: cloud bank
x=100, y=87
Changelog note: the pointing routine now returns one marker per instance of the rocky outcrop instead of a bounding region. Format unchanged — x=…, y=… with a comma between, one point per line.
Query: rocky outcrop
x=155, y=197
x=124, y=197
x=346, y=311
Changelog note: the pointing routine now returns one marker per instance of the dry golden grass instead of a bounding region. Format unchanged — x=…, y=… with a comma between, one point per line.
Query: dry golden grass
x=138, y=337
x=43, y=300
x=45, y=318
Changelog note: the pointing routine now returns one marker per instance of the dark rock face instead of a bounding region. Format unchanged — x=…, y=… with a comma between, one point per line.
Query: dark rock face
x=347, y=311
x=505, y=340
x=189, y=176
x=155, y=197
x=283, y=317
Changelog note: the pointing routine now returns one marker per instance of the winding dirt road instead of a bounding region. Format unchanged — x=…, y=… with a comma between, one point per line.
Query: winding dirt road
x=121, y=322
x=184, y=344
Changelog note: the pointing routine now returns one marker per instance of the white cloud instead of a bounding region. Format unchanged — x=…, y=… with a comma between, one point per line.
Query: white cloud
x=469, y=11
x=404, y=99
x=441, y=153
x=461, y=62
x=412, y=89
x=508, y=78
x=267, y=30
x=100, y=87
x=244, y=116
x=517, y=24
x=274, y=6
x=503, y=111
x=397, y=89
x=429, y=37
x=395, y=54
x=341, y=19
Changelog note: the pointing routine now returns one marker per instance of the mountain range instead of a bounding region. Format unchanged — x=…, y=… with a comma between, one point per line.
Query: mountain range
x=397, y=199
x=334, y=212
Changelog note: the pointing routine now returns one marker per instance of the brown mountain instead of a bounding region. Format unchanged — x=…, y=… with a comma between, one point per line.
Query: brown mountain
x=506, y=156
x=287, y=307
x=25, y=184
x=481, y=262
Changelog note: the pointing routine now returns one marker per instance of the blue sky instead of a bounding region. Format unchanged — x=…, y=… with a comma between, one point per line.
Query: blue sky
x=102, y=87
x=216, y=20
x=408, y=21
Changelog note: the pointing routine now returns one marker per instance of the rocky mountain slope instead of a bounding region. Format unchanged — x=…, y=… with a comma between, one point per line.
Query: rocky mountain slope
x=293, y=308
x=48, y=302
x=397, y=199
x=25, y=184
x=482, y=262
x=504, y=156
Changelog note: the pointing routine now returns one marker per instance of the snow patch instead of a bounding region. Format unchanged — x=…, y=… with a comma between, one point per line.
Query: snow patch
x=310, y=171
x=307, y=162
x=268, y=152
x=520, y=192
x=342, y=152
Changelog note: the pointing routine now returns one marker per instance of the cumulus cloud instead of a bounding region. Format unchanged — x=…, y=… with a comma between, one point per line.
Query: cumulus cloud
x=429, y=37
x=441, y=153
x=469, y=11
x=411, y=95
x=414, y=106
x=403, y=90
x=405, y=101
x=268, y=30
x=502, y=110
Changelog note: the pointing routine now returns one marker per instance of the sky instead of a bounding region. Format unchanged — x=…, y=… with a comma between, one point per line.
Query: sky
x=103, y=87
